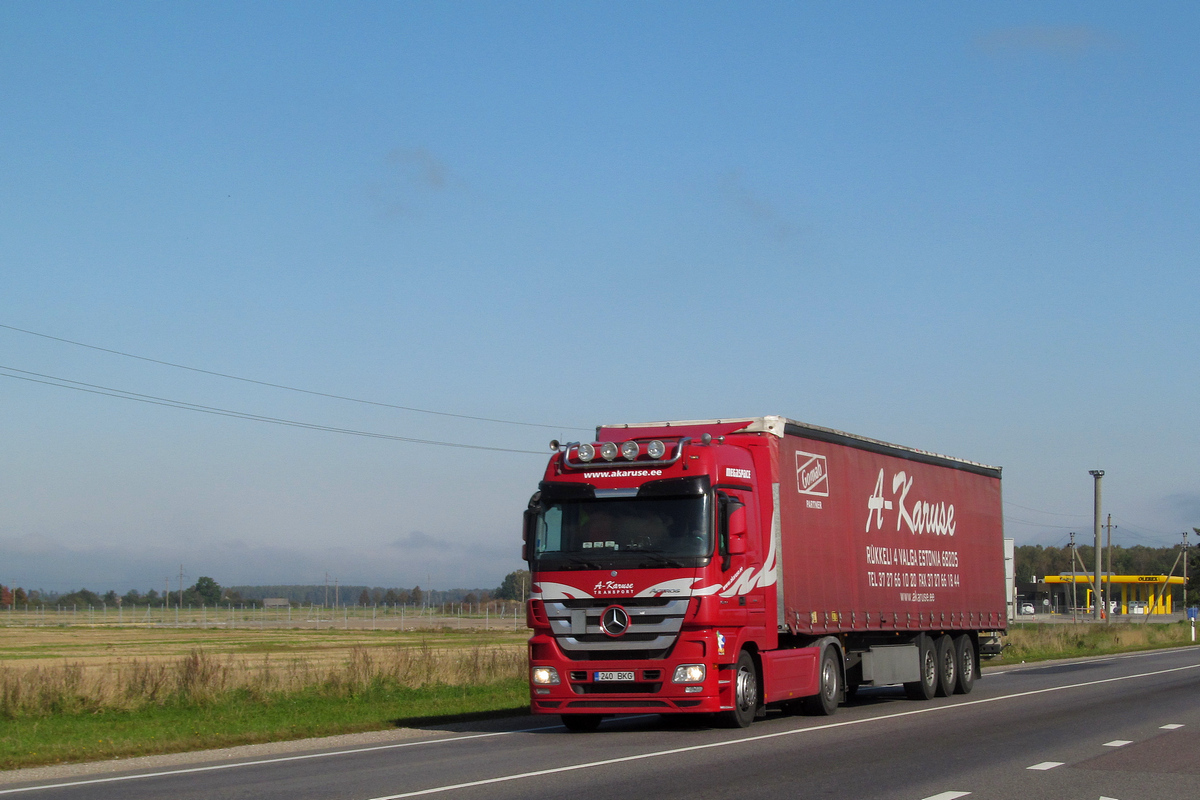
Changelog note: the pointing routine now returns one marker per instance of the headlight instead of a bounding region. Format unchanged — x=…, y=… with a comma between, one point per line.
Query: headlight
x=656, y=449
x=608, y=451
x=544, y=676
x=630, y=450
x=689, y=673
x=586, y=452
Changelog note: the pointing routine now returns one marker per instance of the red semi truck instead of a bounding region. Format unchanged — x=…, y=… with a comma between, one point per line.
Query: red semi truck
x=723, y=566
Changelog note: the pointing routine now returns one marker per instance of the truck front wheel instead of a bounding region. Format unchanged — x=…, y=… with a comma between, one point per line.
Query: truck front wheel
x=926, y=687
x=745, y=694
x=825, y=701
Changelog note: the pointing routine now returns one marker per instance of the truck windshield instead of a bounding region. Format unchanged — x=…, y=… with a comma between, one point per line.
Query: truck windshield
x=630, y=532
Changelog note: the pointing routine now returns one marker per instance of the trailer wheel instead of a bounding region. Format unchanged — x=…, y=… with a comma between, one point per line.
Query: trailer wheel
x=926, y=687
x=964, y=650
x=825, y=701
x=745, y=694
x=947, y=666
x=581, y=723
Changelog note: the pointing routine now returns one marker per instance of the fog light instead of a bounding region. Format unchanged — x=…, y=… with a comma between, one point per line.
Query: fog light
x=689, y=673
x=544, y=676
x=656, y=449
x=630, y=450
x=586, y=452
x=688, y=689
x=608, y=451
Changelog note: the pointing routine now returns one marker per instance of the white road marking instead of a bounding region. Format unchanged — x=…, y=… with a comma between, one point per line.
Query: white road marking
x=504, y=778
x=1117, y=743
x=1173, y=726
x=947, y=796
x=749, y=739
x=278, y=760
x=1045, y=765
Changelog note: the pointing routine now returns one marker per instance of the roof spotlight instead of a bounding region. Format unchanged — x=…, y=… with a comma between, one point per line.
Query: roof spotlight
x=608, y=451
x=656, y=449
x=630, y=450
x=586, y=452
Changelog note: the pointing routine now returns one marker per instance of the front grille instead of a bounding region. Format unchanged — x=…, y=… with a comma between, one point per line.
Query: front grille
x=654, y=625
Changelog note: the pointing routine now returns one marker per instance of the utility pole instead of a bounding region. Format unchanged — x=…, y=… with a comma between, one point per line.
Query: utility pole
x=1108, y=588
x=181, y=585
x=327, y=589
x=1074, y=615
x=1186, y=612
x=1097, y=474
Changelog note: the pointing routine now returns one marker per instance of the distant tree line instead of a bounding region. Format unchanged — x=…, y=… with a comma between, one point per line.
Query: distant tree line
x=1035, y=562
x=205, y=591
x=208, y=592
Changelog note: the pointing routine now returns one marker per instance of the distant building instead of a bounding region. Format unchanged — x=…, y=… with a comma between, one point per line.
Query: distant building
x=275, y=602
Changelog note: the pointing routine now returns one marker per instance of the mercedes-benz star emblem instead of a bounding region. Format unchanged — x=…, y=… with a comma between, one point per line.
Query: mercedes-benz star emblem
x=614, y=621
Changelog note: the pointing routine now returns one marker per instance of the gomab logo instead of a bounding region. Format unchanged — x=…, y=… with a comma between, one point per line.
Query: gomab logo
x=812, y=474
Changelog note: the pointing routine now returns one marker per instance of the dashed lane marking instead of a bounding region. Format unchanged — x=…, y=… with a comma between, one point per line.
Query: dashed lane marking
x=947, y=796
x=1118, y=743
x=1045, y=765
x=1174, y=726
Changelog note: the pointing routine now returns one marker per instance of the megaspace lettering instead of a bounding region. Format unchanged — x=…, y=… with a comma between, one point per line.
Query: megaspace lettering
x=734, y=472
x=812, y=474
x=919, y=516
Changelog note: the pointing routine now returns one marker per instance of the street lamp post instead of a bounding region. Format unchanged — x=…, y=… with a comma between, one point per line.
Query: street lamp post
x=1096, y=596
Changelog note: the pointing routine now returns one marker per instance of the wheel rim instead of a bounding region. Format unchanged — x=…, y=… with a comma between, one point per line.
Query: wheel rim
x=949, y=665
x=747, y=690
x=968, y=664
x=930, y=669
x=829, y=680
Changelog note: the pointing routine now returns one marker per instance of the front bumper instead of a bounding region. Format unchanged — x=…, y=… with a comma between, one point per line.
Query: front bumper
x=651, y=690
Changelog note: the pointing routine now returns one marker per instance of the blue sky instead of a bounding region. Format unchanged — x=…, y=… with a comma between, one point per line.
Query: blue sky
x=972, y=231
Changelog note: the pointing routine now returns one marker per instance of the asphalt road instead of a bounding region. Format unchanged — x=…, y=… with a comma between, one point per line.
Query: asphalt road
x=1124, y=727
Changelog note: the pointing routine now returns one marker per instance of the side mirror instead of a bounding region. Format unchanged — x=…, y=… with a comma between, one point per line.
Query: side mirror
x=737, y=521
x=737, y=531
x=528, y=532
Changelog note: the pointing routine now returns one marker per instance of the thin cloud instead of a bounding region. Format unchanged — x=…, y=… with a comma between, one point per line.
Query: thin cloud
x=417, y=540
x=753, y=205
x=408, y=178
x=1064, y=41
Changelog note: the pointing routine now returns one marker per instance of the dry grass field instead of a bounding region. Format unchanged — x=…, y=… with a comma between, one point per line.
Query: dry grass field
x=48, y=670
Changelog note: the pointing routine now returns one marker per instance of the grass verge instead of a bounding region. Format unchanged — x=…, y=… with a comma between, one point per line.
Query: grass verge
x=244, y=717
x=1037, y=641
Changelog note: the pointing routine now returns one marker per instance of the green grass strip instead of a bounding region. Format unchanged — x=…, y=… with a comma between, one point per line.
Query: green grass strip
x=240, y=718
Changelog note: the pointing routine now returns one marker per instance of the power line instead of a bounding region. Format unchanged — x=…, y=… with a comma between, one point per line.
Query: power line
x=65, y=383
x=1037, y=524
x=290, y=388
x=1040, y=511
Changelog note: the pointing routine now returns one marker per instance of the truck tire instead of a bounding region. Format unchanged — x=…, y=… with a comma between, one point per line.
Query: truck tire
x=947, y=666
x=745, y=694
x=926, y=687
x=581, y=723
x=964, y=650
x=825, y=701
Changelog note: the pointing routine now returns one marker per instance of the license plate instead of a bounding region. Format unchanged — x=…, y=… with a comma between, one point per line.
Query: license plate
x=613, y=676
